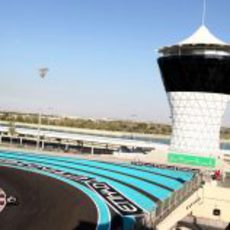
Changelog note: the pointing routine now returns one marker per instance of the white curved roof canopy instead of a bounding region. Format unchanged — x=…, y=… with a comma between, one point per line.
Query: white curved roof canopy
x=202, y=41
x=202, y=36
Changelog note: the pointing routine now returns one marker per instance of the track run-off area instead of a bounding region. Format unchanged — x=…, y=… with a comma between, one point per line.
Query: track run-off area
x=104, y=195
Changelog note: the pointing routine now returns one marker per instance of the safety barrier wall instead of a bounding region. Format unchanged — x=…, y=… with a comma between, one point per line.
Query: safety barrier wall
x=167, y=206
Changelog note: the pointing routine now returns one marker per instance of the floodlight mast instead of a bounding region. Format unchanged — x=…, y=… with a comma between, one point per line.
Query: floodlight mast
x=42, y=73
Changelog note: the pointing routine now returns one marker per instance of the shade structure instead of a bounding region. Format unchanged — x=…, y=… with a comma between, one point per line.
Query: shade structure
x=196, y=76
x=202, y=36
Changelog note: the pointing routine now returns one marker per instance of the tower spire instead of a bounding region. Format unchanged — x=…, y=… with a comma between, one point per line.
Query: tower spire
x=204, y=12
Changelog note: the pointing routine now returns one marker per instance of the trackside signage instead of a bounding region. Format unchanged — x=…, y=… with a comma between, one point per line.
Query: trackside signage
x=192, y=160
x=117, y=201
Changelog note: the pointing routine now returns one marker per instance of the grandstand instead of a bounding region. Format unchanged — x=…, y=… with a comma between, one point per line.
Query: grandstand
x=154, y=191
x=71, y=141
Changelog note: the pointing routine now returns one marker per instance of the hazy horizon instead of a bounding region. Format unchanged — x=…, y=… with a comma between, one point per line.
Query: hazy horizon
x=101, y=55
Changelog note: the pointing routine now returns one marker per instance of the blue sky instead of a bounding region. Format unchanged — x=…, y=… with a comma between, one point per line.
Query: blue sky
x=101, y=54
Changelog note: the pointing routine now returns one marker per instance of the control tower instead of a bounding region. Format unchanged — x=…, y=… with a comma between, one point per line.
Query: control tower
x=196, y=76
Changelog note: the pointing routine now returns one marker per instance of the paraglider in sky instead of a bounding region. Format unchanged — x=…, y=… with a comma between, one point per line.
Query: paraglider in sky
x=43, y=72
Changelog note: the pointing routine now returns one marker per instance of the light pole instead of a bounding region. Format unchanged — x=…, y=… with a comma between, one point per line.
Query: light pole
x=42, y=74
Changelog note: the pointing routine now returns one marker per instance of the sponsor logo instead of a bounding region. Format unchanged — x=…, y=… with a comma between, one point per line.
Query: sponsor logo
x=117, y=201
x=2, y=200
x=121, y=204
x=193, y=203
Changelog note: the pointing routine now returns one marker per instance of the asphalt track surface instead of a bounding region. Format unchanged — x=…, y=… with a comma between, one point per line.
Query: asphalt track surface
x=44, y=203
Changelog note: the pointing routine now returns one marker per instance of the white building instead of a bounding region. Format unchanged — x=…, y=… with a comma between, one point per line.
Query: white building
x=196, y=76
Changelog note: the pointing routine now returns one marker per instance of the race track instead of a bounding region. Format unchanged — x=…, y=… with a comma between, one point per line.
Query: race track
x=95, y=193
x=44, y=203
